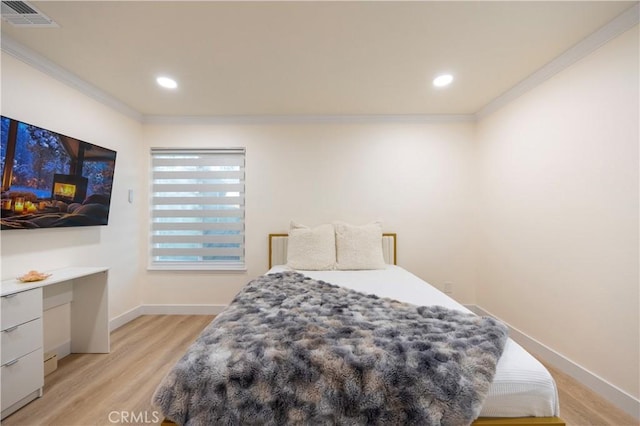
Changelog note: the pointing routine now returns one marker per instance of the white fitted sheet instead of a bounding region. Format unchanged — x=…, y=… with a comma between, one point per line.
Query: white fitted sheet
x=522, y=387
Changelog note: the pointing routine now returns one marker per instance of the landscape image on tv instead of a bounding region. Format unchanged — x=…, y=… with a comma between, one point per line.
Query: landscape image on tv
x=51, y=180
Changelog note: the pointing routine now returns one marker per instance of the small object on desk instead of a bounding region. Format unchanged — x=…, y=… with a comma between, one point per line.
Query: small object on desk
x=32, y=276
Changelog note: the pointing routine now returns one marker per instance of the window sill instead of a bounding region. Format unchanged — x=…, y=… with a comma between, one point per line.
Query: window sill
x=199, y=267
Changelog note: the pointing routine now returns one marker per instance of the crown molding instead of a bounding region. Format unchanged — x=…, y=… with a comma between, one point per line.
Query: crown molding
x=52, y=69
x=623, y=22
x=309, y=119
x=614, y=28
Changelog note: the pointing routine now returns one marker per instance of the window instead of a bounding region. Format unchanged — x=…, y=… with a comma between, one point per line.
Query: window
x=197, y=209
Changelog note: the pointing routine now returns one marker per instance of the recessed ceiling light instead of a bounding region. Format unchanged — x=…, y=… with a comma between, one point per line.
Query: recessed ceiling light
x=166, y=82
x=443, y=80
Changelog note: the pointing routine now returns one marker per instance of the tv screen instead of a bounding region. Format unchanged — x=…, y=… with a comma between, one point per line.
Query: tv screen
x=50, y=180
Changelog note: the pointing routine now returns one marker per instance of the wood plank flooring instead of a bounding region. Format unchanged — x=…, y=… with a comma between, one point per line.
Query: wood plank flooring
x=96, y=389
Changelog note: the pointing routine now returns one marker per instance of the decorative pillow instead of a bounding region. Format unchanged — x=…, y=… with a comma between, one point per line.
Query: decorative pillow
x=312, y=249
x=359, y=247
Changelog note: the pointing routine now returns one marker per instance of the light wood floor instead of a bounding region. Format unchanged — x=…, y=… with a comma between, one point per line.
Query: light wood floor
x=116, y=388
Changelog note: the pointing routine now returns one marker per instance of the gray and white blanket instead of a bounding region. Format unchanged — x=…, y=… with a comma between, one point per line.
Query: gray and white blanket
x=293, y=350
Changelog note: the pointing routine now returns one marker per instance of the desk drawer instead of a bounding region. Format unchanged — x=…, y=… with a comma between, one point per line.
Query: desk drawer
x=22, y=378
x=21, y=307
x=21, y=339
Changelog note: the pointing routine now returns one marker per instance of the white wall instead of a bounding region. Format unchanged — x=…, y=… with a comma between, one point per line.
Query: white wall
x=548, y=185
x=558, y=171
x=415, y=177
x=31, y=96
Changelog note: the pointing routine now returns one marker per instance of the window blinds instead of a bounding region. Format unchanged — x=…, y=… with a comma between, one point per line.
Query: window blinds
x=197, y=209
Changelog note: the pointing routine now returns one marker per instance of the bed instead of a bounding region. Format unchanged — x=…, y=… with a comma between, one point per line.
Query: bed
x=520, y=390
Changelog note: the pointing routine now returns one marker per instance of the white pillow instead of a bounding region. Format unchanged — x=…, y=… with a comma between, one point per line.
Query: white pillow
x=311, y=249
x=359, y=247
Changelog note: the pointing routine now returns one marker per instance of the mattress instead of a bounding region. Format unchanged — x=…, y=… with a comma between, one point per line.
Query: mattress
x=522, y=386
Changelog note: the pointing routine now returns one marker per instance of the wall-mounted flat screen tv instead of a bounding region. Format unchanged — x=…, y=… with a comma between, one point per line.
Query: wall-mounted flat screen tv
x=50, y=180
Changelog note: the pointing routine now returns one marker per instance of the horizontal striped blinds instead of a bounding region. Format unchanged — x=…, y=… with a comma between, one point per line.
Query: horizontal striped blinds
x=197, y=209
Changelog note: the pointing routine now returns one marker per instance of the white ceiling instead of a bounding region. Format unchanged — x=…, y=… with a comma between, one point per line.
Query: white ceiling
x=308, y=58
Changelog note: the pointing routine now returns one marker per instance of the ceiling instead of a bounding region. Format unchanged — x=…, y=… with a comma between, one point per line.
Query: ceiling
x=308, y=58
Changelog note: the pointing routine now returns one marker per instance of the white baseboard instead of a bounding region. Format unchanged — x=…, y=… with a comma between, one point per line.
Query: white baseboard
x=615, y=395
x=122, y=319
x=134, y=313
x=182, y=309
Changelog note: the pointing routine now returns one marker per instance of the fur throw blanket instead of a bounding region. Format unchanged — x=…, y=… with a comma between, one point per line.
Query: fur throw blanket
x=293, y=350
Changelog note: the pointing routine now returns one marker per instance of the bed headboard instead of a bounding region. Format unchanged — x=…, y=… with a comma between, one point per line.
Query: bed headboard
x=278, y=249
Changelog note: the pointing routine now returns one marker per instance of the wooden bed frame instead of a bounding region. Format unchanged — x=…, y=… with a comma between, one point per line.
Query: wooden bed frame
x=278, y=256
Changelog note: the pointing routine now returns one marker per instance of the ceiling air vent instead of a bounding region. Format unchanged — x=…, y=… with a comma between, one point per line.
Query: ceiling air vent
x=22, y=14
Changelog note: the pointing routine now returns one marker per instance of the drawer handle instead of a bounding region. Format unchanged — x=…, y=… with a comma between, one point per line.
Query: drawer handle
x=9, y=330
x=10, y=363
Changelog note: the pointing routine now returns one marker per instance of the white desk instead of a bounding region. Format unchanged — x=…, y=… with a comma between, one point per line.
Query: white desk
x=22, y=339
